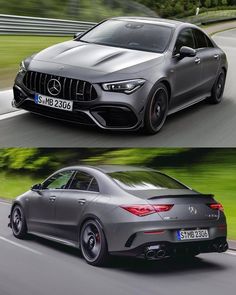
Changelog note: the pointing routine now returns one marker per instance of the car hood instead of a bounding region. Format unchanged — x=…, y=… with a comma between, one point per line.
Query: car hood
x=99, y=58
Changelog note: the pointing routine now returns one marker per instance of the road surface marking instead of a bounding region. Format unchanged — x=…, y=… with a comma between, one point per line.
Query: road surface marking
x=12, y=114
x=8, y=90
x=231, y=253
x=5, y=203
x=19, y=245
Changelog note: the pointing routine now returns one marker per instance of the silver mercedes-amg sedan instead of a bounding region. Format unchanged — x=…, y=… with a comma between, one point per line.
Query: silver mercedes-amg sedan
x=125, y=74
x=120, y=210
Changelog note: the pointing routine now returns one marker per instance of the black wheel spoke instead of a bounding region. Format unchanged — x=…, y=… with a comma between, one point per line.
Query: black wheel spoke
x=158, y=108
x=91, y=241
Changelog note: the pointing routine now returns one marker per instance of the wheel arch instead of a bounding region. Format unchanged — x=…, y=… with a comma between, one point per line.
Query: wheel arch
x=168, y=86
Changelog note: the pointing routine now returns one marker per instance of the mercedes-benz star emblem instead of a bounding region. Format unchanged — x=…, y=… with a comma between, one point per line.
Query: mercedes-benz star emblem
x=54, y=87
x=192, y=210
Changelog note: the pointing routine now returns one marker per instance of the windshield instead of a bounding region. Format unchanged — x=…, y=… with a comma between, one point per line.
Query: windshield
x=145, y=180
x=131, y=35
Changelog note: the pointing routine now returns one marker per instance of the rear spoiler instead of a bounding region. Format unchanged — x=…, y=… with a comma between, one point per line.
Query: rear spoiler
x=182, y=196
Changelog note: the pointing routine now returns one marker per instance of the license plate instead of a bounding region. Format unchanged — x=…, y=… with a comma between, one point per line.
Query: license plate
x=192, y=234
x=53, y=102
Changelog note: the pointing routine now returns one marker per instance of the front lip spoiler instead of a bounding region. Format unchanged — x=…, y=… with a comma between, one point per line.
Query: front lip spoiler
x=87, y=112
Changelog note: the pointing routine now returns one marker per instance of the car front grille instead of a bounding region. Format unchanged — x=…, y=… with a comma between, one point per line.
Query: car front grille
x=71, y=89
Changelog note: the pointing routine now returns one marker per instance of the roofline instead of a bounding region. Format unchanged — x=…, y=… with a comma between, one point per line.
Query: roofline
x=102, y=168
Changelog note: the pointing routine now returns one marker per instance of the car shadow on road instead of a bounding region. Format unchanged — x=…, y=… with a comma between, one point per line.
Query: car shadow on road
x=141, y=266
x=164, y=266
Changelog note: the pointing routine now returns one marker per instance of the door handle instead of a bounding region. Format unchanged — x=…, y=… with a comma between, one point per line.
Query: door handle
x=198, y=60
x=52, y=198
x=216, y=56
x=81, y=201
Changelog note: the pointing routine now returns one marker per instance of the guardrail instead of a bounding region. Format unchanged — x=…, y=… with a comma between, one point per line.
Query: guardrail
x=24, y=25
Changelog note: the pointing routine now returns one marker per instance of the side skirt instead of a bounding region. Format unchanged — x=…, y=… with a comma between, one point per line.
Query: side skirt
x=55, y=239
x=189, y=104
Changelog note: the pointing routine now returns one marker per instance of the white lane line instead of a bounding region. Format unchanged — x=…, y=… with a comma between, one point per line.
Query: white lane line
x=7, y=91
x=5, y=203
x=231, y=253
x=12, y=114
x=20, y=246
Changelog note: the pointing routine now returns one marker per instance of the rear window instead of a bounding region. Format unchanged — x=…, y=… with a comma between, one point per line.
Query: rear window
x=145, y=180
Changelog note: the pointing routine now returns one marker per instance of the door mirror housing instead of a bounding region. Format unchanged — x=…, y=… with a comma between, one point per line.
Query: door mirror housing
x=76, y=35
x=36, y=187
x=187, y=52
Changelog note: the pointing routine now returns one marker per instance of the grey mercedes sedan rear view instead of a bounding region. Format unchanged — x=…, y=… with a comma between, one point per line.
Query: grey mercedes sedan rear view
x=123, y=74
x=121, y=210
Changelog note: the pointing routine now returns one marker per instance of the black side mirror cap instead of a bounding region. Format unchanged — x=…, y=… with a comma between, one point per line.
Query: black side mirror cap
x=187, y=52
x=76, y=35
x=36, y=187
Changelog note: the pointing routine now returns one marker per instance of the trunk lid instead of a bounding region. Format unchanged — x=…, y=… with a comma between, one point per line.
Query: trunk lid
x=186, y=207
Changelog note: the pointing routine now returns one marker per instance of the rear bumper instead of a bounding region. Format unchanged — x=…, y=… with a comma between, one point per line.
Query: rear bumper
x=164, y=249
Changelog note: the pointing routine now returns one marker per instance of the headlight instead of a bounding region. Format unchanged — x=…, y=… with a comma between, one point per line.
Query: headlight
x=22, y=68
x=127, y=87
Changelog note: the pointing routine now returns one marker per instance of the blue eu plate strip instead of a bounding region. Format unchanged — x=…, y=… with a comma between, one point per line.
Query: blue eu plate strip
x=36, y=97
x=178, y=235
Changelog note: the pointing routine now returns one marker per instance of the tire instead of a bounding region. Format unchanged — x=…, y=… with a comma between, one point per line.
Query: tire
x=218, y=88
x=18, y=222
x=93, y=243
x=156, y=110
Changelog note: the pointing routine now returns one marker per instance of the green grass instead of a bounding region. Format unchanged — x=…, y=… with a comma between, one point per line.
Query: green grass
x=13, y=49
x=212, y=15
x=13, y=185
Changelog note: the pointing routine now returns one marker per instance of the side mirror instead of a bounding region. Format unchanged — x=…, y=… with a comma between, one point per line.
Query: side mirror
x=76, y=35
x=187, y=52
x=36, y=187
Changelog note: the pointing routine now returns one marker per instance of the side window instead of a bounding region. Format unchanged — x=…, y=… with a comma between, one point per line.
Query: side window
x=58, y=181
x=85, y=182
x=209, y=43
x=201, y=39
x=185, y=38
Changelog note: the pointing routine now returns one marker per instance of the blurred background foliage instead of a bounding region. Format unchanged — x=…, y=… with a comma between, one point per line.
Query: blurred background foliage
x=95, y=10
x=206, y=170
x=15, y=48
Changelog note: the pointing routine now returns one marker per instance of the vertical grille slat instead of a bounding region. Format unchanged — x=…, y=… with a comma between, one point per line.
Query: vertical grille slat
x=71, y=89
x=30, y=81
x=40, y=83
x=64, y=88
x=35, y=81
x=77, y=89
x=45, y=84
x=83, y=91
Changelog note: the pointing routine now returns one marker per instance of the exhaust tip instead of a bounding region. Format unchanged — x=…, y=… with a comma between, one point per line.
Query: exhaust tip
x=150, y=254
x=222, y=247
x=161, y=253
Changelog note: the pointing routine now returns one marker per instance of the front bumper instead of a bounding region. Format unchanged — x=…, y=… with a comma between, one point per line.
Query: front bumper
x=112, y=111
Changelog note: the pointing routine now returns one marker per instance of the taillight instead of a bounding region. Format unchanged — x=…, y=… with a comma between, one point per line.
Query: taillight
x=140, y=210
x=162, y=208
x=143, y=210
x=216, y=206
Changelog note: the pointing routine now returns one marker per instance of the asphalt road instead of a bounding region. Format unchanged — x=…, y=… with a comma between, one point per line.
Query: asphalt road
x=202, y=125
x=39, y=267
